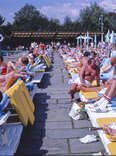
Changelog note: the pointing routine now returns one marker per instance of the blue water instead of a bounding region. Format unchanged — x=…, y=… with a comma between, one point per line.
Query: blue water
x=10, y=52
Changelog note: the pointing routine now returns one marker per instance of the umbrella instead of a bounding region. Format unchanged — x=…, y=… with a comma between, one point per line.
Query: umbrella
x=107, y=37
x=112, y=39
x=80, y=37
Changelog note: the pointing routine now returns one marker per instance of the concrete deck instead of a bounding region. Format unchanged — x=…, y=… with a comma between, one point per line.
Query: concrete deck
x=54, y=132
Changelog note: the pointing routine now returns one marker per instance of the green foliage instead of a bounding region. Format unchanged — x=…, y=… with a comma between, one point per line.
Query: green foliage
x=29, y=18
x=111, y=20
x=89, y=18
x=67, y=26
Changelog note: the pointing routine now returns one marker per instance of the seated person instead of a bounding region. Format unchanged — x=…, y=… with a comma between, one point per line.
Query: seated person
x=100, y=105
x=106, y=84
x=88, y=73
x=3, y=66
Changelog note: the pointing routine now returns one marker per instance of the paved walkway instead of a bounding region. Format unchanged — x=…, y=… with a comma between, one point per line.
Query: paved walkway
x=54, y=132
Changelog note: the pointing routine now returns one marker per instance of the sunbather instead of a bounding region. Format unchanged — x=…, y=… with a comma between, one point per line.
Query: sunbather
x=110, y=93
x=88, y=73
x=4, y=79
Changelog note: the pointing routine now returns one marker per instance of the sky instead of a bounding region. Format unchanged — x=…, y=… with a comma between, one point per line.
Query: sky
x=52, y=8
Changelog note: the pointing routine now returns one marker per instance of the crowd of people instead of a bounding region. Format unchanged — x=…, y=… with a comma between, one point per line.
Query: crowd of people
x=92, y=64
x=91, y=69
x=22, y=68
x=88, y=64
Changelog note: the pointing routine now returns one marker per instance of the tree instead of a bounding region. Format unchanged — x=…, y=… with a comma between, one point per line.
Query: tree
x=67, y=26
x=53, y=25
x=27, y=19
x=89, y=18
x=111, y=21
x=76, y=26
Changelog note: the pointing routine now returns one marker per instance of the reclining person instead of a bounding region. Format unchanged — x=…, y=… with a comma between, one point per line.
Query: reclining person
x=4, y=79
x=18, y=66
x=88, y=73
x=100, y=105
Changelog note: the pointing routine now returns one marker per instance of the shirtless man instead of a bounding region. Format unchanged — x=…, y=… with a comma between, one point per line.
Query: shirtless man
x=87, y=74
x=84, y=59
x=101, y=104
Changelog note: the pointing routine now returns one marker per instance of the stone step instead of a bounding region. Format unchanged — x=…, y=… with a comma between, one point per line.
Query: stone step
x=81, y=123
x=53, y=89
x=54, y=101
x=54, y=133
x=53, y=113
x=52, y=125
x=68, y=134
x=52, y=92
x=55, y=146
x=77, y=147
x=58, y=96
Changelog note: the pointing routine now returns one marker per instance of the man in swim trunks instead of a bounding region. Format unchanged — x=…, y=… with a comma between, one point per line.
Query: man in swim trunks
x=110, y=85
x=88, y=73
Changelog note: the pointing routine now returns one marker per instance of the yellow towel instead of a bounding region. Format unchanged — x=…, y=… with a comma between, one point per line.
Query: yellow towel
x=27, y=96
x=10, y=82
x=20, y=99
x=112, y=148
x=89, y=95
x=74, y=70
x=26, y=107
x=106, y=121
x=46, y=60
x=18, y=105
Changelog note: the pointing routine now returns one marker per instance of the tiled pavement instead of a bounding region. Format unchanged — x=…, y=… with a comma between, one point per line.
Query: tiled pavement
x=54, y=132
